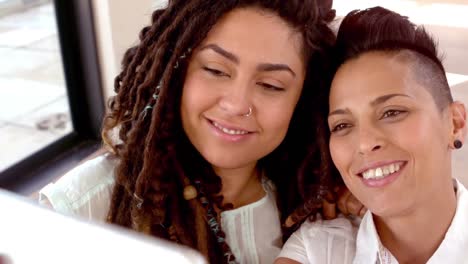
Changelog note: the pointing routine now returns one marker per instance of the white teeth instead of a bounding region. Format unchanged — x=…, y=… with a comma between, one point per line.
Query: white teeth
x=381, y=172
x=386, y=171
x=378, y=173
x=230, y=131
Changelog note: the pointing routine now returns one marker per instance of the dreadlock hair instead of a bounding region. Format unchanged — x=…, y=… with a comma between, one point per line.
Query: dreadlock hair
x=157, y=160
x=380, y=30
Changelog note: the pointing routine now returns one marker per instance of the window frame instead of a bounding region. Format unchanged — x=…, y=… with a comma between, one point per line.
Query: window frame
x=79, y=53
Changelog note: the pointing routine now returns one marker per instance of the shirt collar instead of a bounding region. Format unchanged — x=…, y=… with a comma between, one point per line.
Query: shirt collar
x=367, y=241
x=451, y=250
x=453, y=247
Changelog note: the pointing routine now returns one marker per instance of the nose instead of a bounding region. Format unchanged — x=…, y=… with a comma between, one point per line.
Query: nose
x=371, y=139
x=236, y=101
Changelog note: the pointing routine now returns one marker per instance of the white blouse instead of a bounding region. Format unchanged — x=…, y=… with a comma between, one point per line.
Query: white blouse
x=252, y=231
x=323, y=242
x=342, y=241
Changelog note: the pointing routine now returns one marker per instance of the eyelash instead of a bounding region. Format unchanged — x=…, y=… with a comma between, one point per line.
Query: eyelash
x=219, y=73
x=392, y=113
x=216, y=72
x=271, y=87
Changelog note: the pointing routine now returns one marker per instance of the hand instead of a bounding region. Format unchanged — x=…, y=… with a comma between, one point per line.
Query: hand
x=347, y=205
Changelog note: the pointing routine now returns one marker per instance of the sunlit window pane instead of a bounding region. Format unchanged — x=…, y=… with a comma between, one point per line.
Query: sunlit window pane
x=34, y=108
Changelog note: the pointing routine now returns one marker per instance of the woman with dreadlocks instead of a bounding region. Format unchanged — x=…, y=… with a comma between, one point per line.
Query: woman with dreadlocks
x=209, y=126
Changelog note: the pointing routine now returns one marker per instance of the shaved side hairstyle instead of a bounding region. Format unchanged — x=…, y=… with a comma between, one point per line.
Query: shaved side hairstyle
x=380, y=30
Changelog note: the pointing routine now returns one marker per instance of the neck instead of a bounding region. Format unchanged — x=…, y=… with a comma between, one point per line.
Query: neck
x=241, y=186
x=408, y=237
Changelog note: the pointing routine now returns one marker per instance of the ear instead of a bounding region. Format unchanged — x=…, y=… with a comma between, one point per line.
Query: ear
x=459, y=126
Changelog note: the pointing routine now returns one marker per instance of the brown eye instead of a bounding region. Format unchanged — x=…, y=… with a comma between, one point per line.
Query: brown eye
x=392, y=113
x=340, y=127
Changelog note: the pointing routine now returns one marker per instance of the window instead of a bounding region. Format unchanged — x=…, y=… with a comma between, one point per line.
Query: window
x=51, y=102
x=34, y=108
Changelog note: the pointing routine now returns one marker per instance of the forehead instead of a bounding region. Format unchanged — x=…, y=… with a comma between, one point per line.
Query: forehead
x=256, y=33
x=372, y=75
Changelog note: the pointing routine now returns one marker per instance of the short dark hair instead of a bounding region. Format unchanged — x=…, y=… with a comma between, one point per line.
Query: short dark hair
x=380, y=30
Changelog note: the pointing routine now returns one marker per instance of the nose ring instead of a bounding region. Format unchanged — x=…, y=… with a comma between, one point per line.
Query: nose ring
x=249, y=113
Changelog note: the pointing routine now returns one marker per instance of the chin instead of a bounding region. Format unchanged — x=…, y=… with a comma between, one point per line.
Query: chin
x=229, y=162
x=393, y=209
x=228, y=165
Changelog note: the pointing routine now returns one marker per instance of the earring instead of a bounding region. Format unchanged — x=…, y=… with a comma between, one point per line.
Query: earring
x=457, y=144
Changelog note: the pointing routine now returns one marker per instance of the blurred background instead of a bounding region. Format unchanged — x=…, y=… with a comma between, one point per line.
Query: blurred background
x=58, y=60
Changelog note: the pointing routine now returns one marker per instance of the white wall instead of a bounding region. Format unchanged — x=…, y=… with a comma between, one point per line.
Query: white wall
x=117, y=24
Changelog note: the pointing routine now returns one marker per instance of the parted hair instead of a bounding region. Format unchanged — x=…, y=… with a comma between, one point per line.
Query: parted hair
x=156, y=159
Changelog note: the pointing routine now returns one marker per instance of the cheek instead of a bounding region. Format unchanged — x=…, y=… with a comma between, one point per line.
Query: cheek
x=276, y=116
x=419, y=135
x=275, y=127
x=194, y=95
x=192, y=103
x=340, y=153
x=185, y=103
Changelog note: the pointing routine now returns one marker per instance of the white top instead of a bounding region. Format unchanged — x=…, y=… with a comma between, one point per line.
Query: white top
x=253, y=231
x=340, y=241
x=323, y=242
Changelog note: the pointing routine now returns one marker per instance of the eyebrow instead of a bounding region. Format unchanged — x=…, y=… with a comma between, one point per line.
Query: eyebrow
x=267, y=67
x=228, y=55
x=275, y=67
x=338, y=112
x=384, y=98
x=375, y=102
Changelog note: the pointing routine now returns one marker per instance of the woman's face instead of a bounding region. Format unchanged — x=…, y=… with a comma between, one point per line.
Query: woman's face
x=389, y=140
x=251, y=61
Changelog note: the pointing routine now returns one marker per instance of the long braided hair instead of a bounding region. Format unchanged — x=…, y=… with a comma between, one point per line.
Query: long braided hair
x=157, y=161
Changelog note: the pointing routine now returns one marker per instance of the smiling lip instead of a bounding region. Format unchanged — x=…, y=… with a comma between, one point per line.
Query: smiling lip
x=377, y=165
x=382, y=182
x=239, y=133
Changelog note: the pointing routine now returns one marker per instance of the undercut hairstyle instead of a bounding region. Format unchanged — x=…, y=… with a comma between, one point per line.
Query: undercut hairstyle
x=373, y=30
x=380, y=30
x=156, y=160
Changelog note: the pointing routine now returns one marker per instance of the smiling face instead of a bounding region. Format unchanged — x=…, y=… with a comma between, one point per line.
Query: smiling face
x=389, y=140
x=241, y=88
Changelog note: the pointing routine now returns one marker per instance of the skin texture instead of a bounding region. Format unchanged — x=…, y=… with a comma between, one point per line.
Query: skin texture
x=380, y=115
x=234, y=70
x=157, y=158
x=372, y=126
